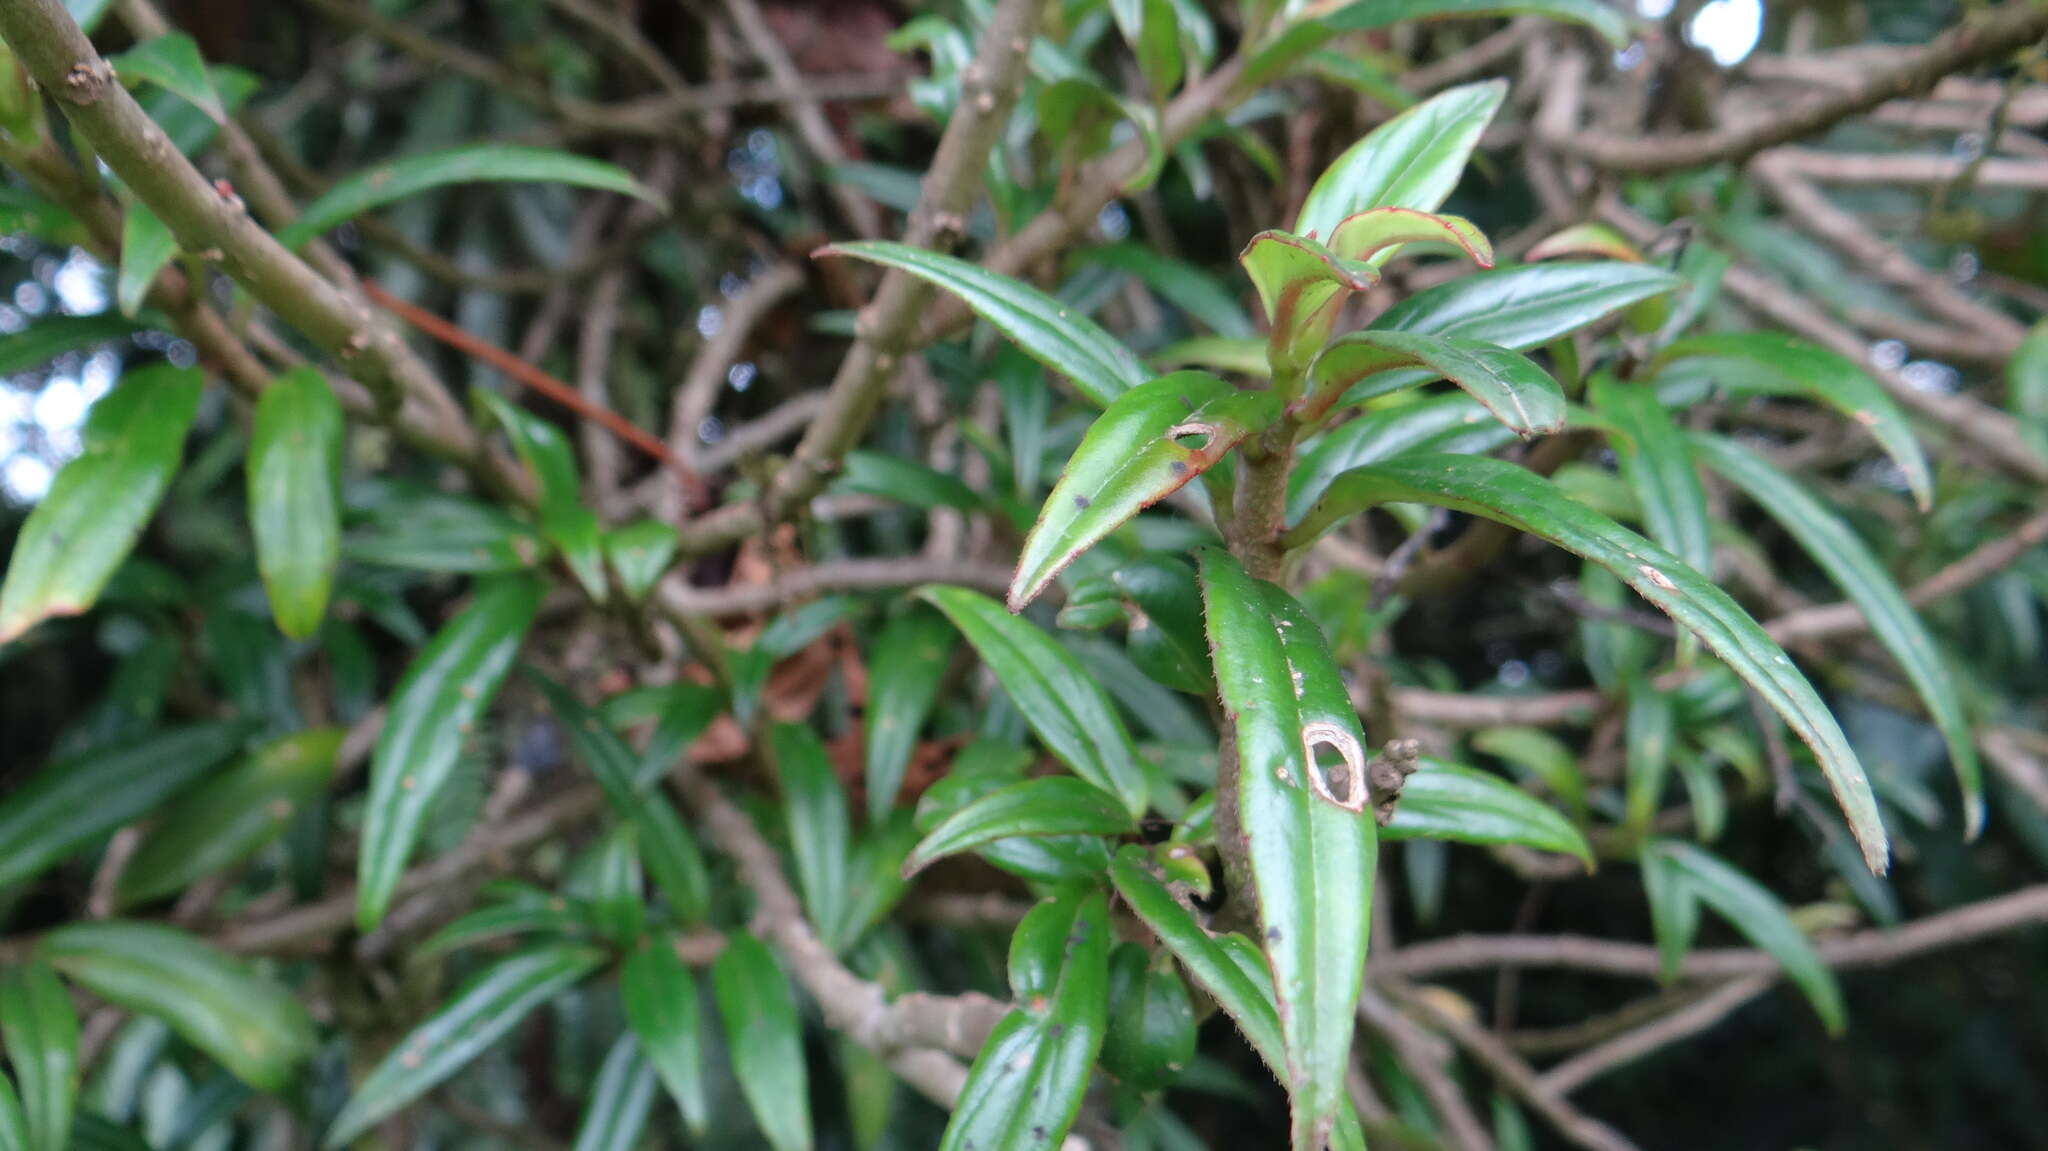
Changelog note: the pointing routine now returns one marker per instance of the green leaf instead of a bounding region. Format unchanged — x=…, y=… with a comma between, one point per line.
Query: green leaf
x=1777, y=364
x=471, y=164
x=564, y=521
x=614, y=886
x=1522, y=308
x=1751, y=909
x=1151, y=1036
x=905, y=670
x=484, y=1010
x=660, y=1000
x=1449, y=423
x=1603, y=18
x=172, y=62
x=1507, y=383
x=1312, y=853
x=1185, y=286
x=820, y=830
x=1648, y=729
x=667, y=848
x=1055, y=334
x=905, y=481
x=251, y=1026
x=1302, y=285
x=71, y=804
x=1542, y=755
x=1148, y=443
x=295, y=497
x=52, y=336
x=547, y=915
x=96, y=507
x=1163, y=622
x=1236, y=991
x=1026, y=1085
x=1411, y=161
x=146, y=246
x=640, y=554
x=1589, y=238
x=232, y=816
x=432, y=711
x=41, y=1034
x=1449, y=801
x=765, y=1039
x=620, y=1100
x=1078, y=116
x=1056, y=696
x=1511, y=495
x=1658, y=465
x=2026, y=381
x=1372, y=235
x=1674, y=909
x=983, y=767
x=14, y=1134
x=1849, y=562
x=1152, y=28
x=89, y=1132
x=1053, y=805
x=436, y=532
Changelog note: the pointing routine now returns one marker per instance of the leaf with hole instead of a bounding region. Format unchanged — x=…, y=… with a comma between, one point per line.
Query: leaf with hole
x=294, y=497
x=247, y=1023
x=1511, y=495
x=1311, y=851
x=1053, y=333
x=1062, y=703
x=484, y=1010
x=97, y=506
x=1149, y=443
x=433, y=709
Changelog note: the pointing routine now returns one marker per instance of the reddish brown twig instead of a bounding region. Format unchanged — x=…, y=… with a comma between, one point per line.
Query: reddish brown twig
x=696, y=492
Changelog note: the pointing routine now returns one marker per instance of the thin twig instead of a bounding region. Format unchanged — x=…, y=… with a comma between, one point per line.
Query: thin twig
x=1676, y=1027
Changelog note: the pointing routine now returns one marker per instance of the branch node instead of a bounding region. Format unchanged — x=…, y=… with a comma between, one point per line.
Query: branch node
x=85, y=83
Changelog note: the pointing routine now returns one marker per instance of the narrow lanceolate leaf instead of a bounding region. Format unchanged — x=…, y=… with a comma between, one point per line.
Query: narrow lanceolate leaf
x=2026, y=387
x=72, y=803
x=620, y=1099
x=487, y=1007
x=1240, y=996
x=1062, y=703
x=1411, y=161
x=14, y=1134
x=1312, y=852
x=1055, y=334
x=96, y=507
x=231, y=817
x=248, y=1024
x=472, y=164
x=1511, y=495
x=1508, y=383
x=52, y=336
x=660, y=999
x=1151, y=1034
x=1778, y=364
x=1054, y=805
x=41, y=1034
x=1648, y=729
x=146, y=246
x=1152, y=440
x=1448, y=801
x=295, y=497
x=666, y=846
x=1026, y=1085
x=1598, y=15
x=1657, y=462
x=820, y=830
x=766, y=1040
x=1751, y=909
x=435, y=706
x=1368, y=234
x=1848, y=561
x=172, y=62
x=1523, y=308
x=1447, y=423
x=1302, y=285
x=1587, y=239
x=640, y=553
x=1542, y=755
x=904, y=673
x=564, y=520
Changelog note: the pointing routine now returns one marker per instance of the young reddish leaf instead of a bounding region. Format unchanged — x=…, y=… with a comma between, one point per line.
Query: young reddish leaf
x=1152, y=440
x=1512, y=495
x=1312, y=852
x=1303, y=286
x=1368, y=234
x=1591, y=238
